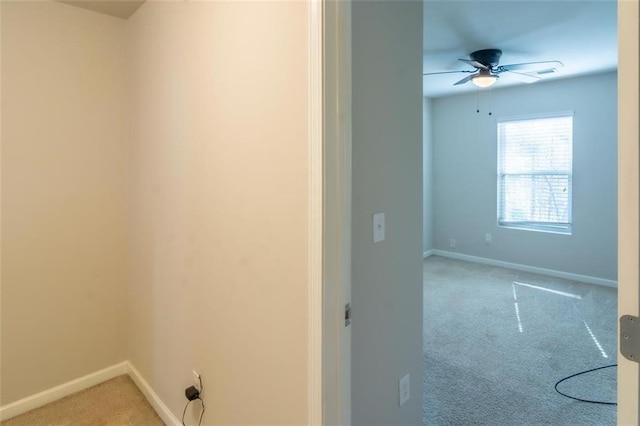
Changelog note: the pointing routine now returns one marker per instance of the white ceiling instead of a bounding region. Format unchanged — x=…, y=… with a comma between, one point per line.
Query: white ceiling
x=580, y=34
x=118, y=8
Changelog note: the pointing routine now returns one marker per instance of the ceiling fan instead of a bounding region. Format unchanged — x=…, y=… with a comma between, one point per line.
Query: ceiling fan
x=487, y=70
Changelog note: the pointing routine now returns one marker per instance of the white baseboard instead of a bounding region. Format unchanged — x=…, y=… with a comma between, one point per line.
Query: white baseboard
x=427, y=253
x=50, y=395
x=525, y=268
x=163, y=411
x=45, y=397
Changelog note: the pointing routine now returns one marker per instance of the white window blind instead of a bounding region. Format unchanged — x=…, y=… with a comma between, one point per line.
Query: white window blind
x=534, y=172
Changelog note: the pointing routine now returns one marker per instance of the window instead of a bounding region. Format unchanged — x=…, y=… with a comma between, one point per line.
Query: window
x=534, y=172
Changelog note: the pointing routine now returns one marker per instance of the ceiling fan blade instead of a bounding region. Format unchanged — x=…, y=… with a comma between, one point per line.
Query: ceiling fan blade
x=475, y=64
x=532, y=66
x=544, y=71
x=527, y=78
x=464, y=80
x=446, y=72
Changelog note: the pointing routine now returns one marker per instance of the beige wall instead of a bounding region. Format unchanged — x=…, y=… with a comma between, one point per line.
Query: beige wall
x=63, y=193
x=205, y=239
x=219, y=206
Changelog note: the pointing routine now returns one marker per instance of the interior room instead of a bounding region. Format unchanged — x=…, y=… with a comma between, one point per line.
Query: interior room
x=535, y=276
x=168, y=238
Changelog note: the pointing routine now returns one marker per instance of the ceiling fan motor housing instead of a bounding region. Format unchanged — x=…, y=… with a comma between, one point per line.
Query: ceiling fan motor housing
x=488, y=57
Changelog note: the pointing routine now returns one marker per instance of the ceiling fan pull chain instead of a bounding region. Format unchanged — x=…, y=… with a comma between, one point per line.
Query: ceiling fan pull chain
x=478, y=100
x=490, y=101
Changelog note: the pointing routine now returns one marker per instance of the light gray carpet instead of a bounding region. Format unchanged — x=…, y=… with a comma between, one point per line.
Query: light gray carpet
x=481, y=370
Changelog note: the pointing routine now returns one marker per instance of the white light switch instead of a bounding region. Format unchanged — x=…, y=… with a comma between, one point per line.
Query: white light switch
x=404, y=390
x=378, y=227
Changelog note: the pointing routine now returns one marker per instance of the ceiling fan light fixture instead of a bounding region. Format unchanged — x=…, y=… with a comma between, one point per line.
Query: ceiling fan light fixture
x=484, y=80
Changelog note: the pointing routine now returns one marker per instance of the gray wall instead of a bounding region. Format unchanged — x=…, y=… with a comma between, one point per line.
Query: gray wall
x=387, y=177
x=465, y=175
x=427, y=176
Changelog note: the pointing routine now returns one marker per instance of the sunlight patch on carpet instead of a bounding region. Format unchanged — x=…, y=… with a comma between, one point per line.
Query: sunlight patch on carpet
x=560, y=293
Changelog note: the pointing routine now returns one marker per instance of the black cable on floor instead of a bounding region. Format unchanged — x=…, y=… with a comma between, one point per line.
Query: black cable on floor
x=585, y=372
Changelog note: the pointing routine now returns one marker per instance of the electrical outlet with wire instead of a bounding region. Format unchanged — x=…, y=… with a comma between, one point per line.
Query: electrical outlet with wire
x=194, y=393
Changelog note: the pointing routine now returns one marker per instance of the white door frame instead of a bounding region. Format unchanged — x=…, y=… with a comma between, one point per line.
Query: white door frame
x=628, y=198
x=329, y=376
x=337, y=212
x=316, y=226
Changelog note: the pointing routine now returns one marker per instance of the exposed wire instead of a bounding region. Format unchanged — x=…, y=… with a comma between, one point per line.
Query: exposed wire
x=201, y=400
x=580, y=399
x=185, y=411
x=202, y=413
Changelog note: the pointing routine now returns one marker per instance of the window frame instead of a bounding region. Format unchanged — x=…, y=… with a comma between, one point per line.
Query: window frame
x=550, y=227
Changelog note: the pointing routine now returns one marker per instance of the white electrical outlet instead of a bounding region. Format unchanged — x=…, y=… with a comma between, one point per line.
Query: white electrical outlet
x=196, y=380
x=488, y=239
x=404, y=389
x=452, y=243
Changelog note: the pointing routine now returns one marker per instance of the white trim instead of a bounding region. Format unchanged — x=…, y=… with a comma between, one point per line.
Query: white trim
x=336, y=291
x=526, y=268
x=315, y=279
x=427, y=253
x=50, y=395
x=538, y=116
x=160, y=407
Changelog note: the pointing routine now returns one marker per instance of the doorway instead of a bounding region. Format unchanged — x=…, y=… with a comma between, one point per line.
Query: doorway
x=461, y=147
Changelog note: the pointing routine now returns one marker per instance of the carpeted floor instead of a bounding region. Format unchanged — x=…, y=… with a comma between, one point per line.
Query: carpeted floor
x=495, y=343
x=116, y=402
x=488, y=361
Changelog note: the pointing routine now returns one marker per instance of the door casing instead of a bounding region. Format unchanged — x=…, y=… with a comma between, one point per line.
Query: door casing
x=628, y=191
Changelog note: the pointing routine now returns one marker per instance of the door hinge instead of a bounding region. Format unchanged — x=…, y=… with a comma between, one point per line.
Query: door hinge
x=347, y=314
x=630, y=337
